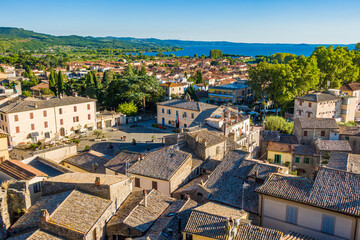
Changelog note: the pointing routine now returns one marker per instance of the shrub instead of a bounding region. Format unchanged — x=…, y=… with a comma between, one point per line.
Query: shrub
x=274, y=123
x=97, y=133
x=87, y=148
x=129, y=109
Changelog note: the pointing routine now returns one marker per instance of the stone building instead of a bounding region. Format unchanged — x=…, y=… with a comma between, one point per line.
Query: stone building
x=352, y=135
x=173, y=89
x=324, y=105
x=307, y=130
x=305, y=160
x=74, y=206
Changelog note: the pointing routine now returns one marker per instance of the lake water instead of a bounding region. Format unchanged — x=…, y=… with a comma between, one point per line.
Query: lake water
x=247, y=49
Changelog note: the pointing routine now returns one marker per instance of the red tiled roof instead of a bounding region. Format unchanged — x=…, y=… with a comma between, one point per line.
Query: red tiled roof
x=350, y=87
x=279, y=147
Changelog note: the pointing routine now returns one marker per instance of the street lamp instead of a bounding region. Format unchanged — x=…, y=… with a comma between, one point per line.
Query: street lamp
x=244, y=186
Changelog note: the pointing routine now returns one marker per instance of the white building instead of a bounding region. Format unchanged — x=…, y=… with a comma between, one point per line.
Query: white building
x=30, y=120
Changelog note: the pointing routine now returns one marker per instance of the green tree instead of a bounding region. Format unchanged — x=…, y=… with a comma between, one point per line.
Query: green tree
x=107, y=78
x=357, y=47
x=128, y=71
x=198, y=78
x=52, y=82
x=216, y=53
x=274, y=123
x=90, y=89
x=60, y=83
x=142, y=71
x=129, y=109
x=26, y=93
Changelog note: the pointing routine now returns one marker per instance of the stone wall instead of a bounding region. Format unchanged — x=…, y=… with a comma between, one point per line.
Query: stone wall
x=49, y=188
x=181, y=176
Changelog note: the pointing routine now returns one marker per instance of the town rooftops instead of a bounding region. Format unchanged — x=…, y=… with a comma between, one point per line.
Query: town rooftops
x=122, y=160
x=332, y=190
x=134, y=214
x=87, y=178
x=19, y=170
x=348, y=130
x=188, y=105
x=224, y=183
x=211, y=220
x=160, y=164
x=318, y=97
x=171, y=84
x=40, y=86
x=308, y=150
x=354, y=86
x=89, y=162
x=280, y=147
x=248, y=231
x=296, y=236
x=21, y=104
x=322, y=123
x=345, y=162
x=333, y=145
x=207, y=136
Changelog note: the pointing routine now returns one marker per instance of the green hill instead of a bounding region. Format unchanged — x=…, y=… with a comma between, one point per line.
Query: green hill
x=17, y=39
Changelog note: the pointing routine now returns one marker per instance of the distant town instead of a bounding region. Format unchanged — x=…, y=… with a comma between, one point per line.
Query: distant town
x=164, y=147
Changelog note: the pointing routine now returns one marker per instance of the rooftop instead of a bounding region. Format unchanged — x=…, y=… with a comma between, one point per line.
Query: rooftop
x=354, y=86
x=88, y=162
x=160, y=164
x=21, y=104
x=220, y=210
x=318, y=97
x=321, y=123
x=345, y=162
x=248, y=231
x=121, y=161
x=89, y=178
x=19, y=170
x=232, y=86
x=280, y=147
x=347, y=130
x=188, y=105
x=204, y=135
x=332, y=189
x=333, y=145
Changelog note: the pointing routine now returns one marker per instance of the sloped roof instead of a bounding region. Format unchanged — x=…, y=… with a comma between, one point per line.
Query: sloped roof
x=333, y=145
x=354, y=86
x=279, y=147
x=188, y=105
x=297, y=236
x=120, y=161
x=317, y=123
x=332, y=189
x=105, y=179
x=88, y=162
x=248, y=231
x=318, y=97
x=226, y=180
x=345, y=162
x=19, y=170
x=160, y=164
x=21, y=104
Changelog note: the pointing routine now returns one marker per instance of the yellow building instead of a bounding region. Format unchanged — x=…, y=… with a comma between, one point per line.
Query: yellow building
x=280, y=153
x=4, y=147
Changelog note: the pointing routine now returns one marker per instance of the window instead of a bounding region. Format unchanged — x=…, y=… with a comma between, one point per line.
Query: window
x=184, y=115
x=45, y=113
x=31, y=115
x=60, y=111
x=2, y=117
x=305, y=133
x=328, y=224
x=309, y=114
x=309, y=104
x=76, y=119
x=177, y=112
x=61, y=121
x=17, y=129
x=188, y=237
x=137, y=182
x=347, y=138
x=75, y=108
x=94, y=234
x=322, y=133
x=169, y=111
x=192, y=115
x=163, y=110
x=89, y=116
x=277, y=158
x=291, y=214
x=154, y=185
x=300, y=103
x=47, y=135
x=185, y=125
x=88, y=107
x=308, y=160
x=16, y=117
x=297, y=159
x=46, y=124
x=32, y=126
x=37, y=187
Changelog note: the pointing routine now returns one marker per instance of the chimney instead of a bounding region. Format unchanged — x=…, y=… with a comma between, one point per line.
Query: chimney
x=35, y=105
x=44, y=216
x=97, y=181
x=75, y=94
x=145, y=198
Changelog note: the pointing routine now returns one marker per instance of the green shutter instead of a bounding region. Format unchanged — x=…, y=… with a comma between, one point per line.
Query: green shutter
x=297, y=159
x=311, y=161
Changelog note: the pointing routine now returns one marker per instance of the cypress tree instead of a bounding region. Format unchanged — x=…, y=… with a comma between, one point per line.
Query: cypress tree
x=60, y=83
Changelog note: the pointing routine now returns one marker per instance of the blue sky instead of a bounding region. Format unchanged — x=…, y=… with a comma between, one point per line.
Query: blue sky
x=266, y=21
